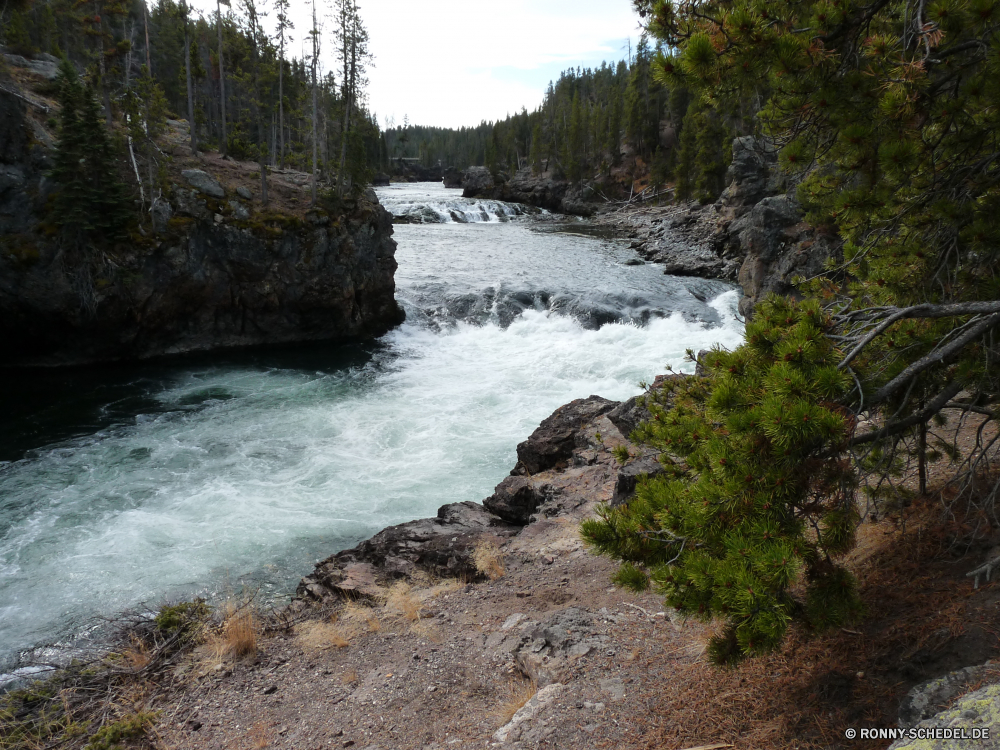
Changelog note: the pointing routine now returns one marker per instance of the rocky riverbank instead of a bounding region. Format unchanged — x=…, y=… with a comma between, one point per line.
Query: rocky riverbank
x=415, y=639
x=213, y=268
x=754, y=234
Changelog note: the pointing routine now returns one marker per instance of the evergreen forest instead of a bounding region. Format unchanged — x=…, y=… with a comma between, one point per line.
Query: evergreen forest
x=606, y=125
x=234, y=73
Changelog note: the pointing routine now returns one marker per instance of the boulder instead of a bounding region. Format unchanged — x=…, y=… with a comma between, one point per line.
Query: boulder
x=554, y=439
x=244, y=193
x=43, y=65
x=514, y=500
x=203, y=182
x=928, y=698
x=646, y=465
x=476, y=181
x=442, y=546
x=978, y=711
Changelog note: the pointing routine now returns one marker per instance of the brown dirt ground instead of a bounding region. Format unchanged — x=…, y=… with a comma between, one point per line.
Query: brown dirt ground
x=383, y=678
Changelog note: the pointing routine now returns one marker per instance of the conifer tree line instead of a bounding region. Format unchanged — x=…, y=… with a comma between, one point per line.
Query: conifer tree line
x=594, y=122
x=885, y=115
x=252, y=86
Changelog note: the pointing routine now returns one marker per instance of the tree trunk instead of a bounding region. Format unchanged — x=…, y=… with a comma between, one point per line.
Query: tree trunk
x=315, y=36
x=281, y=104
x=190, y=88
x=222, y=84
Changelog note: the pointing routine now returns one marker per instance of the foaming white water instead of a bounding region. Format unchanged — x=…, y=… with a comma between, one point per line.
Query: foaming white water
x=278, y=467
x=430, y=203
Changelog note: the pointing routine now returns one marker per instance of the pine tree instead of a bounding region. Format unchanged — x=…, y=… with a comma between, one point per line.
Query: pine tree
x=90, y=205
x=748, y=508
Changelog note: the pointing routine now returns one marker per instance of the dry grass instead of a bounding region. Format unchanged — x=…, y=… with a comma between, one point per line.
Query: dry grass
x=447, y=586
x=259, y=736
x=137, y=654
x=319, y=635
x=516, y=694
x=402, y=601
x=488, y=559
x=365, y=616
x=239, y=633
x=921, y=614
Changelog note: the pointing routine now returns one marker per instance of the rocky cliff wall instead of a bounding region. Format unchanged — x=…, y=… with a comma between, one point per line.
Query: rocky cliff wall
x=526, y=187
x=755, y=234
x=212, y=273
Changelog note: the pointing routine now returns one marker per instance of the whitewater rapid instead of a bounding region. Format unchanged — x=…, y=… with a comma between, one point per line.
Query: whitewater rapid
x=201, y=477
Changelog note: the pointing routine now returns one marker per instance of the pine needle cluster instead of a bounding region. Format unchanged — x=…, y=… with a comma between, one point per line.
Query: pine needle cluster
x=756, y=504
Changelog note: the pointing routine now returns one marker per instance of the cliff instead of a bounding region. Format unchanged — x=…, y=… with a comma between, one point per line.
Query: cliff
x=754, y=234
x=216, y=269
x=539, y=190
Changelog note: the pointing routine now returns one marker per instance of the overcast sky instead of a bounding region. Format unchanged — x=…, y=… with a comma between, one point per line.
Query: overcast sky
x=459, y=62
x=454, y=62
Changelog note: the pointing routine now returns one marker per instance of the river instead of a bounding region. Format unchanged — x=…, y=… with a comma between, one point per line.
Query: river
x=127, y=487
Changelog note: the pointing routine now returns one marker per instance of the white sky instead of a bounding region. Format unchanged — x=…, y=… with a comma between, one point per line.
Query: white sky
x=454, y=62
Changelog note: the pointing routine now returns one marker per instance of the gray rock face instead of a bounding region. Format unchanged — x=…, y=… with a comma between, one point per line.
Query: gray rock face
x=779, y=246
x=244, y=193
x=43, y=65
x=203, y=182
x=452, y=178
x=554, y=439
x=240, y=211
x=928, y=698
x=629, y=475
x=629, y=414
x=442, y=546
x=549, y=649
x=514, y=500
x=750, y=173
x=195, y=285
x=476, y=181
x=978, y=711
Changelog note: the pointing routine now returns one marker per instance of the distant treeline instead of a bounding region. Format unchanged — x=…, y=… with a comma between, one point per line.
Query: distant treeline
x=599, y=125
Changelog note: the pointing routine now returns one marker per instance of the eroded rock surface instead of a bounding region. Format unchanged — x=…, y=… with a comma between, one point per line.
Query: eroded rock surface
x=209, y=273
x=554, y=439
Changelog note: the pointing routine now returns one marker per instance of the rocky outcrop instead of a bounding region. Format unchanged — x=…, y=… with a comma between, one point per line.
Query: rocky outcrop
x=553, y=441
x=452, y=178
x=645, y=465
x=42, y=65
x=476, y=182
x=973, y=719
x=515, y=500
x=923, y=701
x=754, y=234
x=442, y=546
x=210, y=274
x=539, y=190
x=549, y=649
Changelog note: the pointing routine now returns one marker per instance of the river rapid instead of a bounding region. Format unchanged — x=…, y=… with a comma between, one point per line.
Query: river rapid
x=129, y=487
